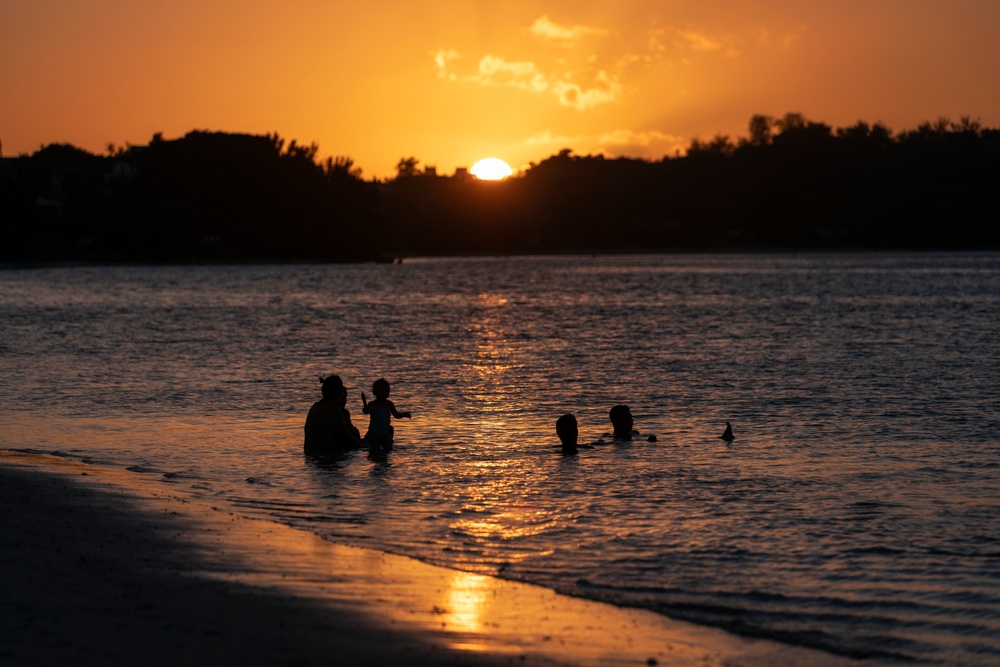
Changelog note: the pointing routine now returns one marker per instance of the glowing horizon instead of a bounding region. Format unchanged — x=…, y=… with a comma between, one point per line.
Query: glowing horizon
x=449, y=82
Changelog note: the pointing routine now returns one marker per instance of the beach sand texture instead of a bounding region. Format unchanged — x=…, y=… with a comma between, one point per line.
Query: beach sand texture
x=104, y=567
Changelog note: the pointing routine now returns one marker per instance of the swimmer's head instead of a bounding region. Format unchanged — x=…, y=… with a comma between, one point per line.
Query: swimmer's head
x=333, y=386
x=381, y=388
x=621, y=420
x=567, y=430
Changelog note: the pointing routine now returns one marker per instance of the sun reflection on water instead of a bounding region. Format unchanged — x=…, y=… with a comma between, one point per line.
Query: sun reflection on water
x=494, y=359
x=508, y=523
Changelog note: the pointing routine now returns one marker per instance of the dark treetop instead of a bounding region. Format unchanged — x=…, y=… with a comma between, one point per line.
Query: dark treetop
x=792, y=183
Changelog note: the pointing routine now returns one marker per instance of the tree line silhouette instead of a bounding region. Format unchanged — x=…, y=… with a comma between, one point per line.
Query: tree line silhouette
x=791, y=183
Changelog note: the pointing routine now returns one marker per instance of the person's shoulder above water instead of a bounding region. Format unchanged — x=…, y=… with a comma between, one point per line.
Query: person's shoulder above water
x=319, y=430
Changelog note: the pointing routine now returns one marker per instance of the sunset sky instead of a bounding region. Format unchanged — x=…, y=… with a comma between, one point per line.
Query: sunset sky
x=453, y=81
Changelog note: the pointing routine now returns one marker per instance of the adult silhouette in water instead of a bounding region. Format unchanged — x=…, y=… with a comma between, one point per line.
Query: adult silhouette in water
x=621, y=422
x=326, y=429
x=569, y=433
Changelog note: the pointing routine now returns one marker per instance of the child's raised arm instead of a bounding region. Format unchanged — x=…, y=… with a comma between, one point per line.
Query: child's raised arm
x=364, y=403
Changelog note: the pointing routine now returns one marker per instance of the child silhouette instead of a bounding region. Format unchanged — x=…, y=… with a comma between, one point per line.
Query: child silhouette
x=380, y=412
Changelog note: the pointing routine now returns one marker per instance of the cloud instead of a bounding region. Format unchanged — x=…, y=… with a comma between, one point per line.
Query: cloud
x=785, y=41
x=494, y=71
x=525, y=75
x=443, y=59
x=633, y=138
x=546, y=138
x=689, y=40
x=648, y=144
x=571, y=95
x=789, y=39
x=654, y=42
x=698, y=41
x=641, y=144
x=546, y=29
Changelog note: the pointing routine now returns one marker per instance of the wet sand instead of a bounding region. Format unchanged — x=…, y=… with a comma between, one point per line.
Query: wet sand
x=104, y=567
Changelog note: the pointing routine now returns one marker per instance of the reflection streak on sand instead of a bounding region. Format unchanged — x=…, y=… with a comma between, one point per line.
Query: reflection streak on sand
x=465, y=603
x=439, y=606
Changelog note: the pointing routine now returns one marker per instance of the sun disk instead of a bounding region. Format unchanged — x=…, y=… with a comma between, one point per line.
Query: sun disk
x=491, y=169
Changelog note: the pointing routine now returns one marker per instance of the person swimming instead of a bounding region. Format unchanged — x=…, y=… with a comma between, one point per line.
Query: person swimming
x=621, y=422
x=569, y=433
x=380, y=412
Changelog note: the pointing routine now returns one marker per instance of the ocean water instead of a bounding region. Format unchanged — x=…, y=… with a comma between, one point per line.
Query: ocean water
x=858, y=510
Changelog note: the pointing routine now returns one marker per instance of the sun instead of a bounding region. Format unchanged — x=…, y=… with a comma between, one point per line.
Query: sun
x=491, y=169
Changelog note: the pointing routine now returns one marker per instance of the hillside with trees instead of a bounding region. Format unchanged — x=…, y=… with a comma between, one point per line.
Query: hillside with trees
x=790, y=183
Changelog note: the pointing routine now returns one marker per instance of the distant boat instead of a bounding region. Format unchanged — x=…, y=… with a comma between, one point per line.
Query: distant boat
x=728, y=435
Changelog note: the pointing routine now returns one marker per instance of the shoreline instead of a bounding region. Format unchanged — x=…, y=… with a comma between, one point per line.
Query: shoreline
x=401, y=258
x=101, y=566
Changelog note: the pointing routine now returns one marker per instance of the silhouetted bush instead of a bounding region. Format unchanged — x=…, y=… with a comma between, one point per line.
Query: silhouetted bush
x=212, y=196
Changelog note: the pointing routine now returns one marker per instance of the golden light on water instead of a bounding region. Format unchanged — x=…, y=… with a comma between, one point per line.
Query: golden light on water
x=506, y=522
x=491, y=169
x=495, y=356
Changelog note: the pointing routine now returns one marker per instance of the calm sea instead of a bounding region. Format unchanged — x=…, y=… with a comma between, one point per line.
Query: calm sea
x=858, y=510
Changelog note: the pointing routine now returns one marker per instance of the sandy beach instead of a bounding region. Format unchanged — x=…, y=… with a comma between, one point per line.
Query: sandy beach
x=104, y=567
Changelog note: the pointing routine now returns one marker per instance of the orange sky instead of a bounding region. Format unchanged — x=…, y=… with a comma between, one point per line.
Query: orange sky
x=453, y=81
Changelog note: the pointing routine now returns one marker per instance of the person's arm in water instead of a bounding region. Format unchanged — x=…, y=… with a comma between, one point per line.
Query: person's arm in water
x=394, y=413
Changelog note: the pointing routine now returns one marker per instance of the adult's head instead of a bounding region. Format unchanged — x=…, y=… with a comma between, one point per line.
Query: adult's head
x=333, y=387
x=621, y=421
x=567, y=430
